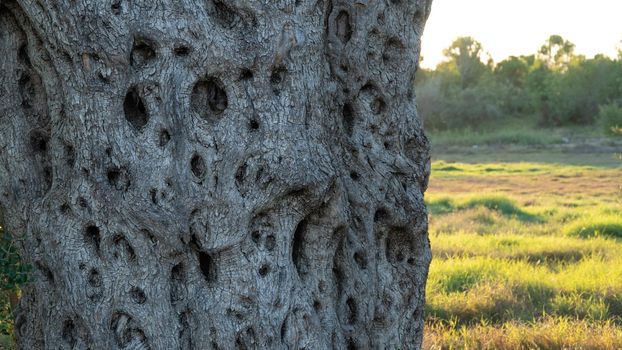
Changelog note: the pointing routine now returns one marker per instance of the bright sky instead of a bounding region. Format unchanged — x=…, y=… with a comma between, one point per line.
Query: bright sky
x=515, y=27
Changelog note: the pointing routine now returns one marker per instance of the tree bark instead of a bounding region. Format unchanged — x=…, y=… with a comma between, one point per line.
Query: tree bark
x=215, y=174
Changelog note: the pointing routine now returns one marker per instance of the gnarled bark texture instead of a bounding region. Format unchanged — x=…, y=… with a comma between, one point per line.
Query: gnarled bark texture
x=215, y=174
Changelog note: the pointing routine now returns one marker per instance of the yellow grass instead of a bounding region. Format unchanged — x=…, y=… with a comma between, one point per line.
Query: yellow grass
x=526, y=256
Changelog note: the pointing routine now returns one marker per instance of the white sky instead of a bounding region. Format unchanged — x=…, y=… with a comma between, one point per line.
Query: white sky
x=515, y=27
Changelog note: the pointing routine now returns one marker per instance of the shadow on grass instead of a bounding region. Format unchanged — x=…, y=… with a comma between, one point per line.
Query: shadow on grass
x=521, y=302
x=608, y=227
x=500, y=204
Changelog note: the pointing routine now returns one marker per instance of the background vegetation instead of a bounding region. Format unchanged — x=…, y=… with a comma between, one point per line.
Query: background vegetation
x=552, y=87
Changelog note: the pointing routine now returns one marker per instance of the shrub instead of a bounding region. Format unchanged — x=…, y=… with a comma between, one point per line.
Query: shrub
x=610, y=118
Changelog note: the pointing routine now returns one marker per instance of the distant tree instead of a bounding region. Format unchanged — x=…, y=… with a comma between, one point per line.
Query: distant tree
x=465, y=55
x=514, y=69
x=557, y=52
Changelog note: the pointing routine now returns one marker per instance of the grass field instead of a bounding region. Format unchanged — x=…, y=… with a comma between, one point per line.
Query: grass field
x=527, y=255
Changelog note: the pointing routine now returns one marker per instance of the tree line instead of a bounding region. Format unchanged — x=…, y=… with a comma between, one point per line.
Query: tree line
x=552, y=87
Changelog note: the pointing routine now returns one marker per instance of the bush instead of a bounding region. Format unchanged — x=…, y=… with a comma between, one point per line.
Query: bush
x=610, y=118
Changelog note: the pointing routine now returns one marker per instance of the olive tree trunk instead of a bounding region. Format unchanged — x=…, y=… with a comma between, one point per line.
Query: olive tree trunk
x=215, y=174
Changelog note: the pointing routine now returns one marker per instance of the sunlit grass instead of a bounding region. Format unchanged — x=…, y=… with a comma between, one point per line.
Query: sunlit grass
x=548, y=333
x=526, y=256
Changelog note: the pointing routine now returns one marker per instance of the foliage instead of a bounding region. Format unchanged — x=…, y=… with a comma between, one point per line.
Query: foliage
x=13, y=273
x=553, y=87
x=610, y=118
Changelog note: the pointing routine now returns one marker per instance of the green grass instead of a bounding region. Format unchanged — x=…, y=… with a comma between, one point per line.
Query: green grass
x=500, y=204
x=518, y=136
x=527, y=255
x=595, y=226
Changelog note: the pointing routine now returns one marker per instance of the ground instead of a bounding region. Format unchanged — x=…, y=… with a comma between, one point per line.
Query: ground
x=527, y=244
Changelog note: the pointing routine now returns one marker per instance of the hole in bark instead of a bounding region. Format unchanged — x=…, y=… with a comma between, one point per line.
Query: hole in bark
x=378, y=106
x=115, y=7
x=209, y=98
x=246, y=340
x=197, y=164
x=142, y=51
x=298, y=192
x=270, y=242
x=95, y=279
x=22, y=54
x=194, y=243
x=47, y=177
x=122, y=249
x=83, y=203
x=253, y=124
x=369, y=88
x=127, y=331
x=182, y=51
x=39, y=141
x=343, y=27
x=361, y=259
x=240, y=174
x=118, y=178
x=134, y=109
x=317, y=305
x=246, y=74
x=298, y=248
x=381, y=215
x=47, y=273
x=351, y=344
x=65, y=208
x=153, y=193
x=229, y=17
x=354, y=175
x=69, y=333
x=264, y=270
x=70, y=155
x=27, y=90
x=207, y=266
x=92, y=237
x=284, y=329
x=277, y=76
x=178, y=277
x=399, y=244
x=185, y=333
x=138, y=295
x=256, y=236
x=164, y=138
x=393, y=50
x=351, y=311
x=348, y=118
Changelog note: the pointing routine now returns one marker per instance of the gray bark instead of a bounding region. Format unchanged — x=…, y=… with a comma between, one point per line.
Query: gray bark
x=215, y=174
